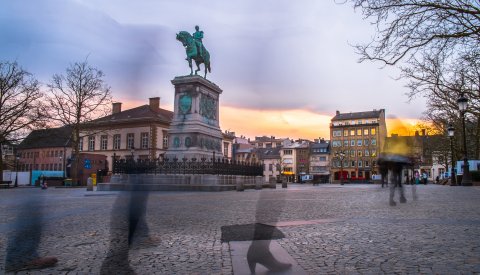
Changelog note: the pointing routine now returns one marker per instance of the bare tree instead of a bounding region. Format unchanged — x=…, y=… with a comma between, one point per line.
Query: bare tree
x=79, y=96
x=411, y=27
x=441, y=83
x=20, y=106
x=438, y=40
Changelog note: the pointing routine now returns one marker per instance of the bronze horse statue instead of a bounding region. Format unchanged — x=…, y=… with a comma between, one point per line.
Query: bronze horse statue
x=191, y=48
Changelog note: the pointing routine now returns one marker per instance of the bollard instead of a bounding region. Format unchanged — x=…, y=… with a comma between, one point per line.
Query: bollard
x=284, y=185
x=258, y=184
x=89, y=184
x=239, y=184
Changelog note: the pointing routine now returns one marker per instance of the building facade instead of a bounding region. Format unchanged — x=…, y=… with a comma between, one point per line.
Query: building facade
x=270, y=158
x=268, y=142
x=356, y=139
x=227, y=144
x=320, y=160
x=45, y=150
x=139, y=133
x=295, y=160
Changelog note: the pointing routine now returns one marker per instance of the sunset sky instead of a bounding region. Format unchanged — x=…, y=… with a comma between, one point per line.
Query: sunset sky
x=284, y=66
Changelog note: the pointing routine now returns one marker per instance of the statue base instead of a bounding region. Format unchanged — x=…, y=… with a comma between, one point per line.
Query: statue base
x=195, y=130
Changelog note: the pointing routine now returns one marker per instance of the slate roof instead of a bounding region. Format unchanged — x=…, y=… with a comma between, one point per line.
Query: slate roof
x=319, y=145
x=358, y=115
x=268, y=153
x=143, y=112
x=54, y=137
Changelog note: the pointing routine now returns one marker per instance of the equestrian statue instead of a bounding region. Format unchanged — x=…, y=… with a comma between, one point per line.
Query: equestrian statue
x=195, y=50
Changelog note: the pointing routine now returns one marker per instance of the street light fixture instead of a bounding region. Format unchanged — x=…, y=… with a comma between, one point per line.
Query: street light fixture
x=17, y=159
x=451, y=133
x=132, y=150
x=340, y=155
x=462, y=106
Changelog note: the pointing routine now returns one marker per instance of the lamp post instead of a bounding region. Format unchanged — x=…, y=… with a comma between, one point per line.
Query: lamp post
x=132, y=150
x=61, y=163
x=340, y=155
x=462, y=106
x=451, y=133
x=17, y=159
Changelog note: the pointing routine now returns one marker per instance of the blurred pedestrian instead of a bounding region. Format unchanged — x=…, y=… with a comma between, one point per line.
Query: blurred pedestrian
x=23, y=241
x=259, y=250
x=43, y=182
x=417, y=178
x=127, y=224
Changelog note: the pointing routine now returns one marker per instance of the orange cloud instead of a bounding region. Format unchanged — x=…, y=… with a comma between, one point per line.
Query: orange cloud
x=401, y=126
x=294, y=123
x=280, y=123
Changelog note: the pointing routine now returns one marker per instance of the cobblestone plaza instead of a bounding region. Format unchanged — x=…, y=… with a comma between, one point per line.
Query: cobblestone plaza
x=328, y=229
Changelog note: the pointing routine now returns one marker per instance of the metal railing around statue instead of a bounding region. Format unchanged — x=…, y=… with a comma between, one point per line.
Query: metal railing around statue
x=211, y=166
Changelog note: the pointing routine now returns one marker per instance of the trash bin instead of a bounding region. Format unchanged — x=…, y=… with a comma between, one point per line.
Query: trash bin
x=67, y=182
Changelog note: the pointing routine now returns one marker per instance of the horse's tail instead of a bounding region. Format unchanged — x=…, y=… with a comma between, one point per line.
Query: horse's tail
x=208, y=67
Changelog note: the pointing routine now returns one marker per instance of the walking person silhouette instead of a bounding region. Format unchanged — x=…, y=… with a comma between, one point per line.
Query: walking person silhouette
x=24, y=240
x=128, y=224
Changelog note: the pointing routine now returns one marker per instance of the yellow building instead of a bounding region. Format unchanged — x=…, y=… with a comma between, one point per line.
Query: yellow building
x=356, y=140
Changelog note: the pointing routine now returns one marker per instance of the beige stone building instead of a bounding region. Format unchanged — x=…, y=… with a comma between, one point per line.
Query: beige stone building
x=320, y=160
x=139, y=132
x=295, y=160
x=356, y=139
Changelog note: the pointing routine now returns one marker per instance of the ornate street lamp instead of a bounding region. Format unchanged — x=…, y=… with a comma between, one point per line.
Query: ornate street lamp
x=132, y=150
x=17, y=160
x=341, y=156
x=462, y=106
x=451, y=133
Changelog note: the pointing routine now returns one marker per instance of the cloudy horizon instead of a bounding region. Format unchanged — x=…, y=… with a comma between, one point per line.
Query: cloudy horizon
x=287, y=65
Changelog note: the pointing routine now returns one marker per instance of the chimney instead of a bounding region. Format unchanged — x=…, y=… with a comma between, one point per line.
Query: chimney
x=154, y=103
x=338, y=112
x=116, y=107
x=423, y=132
x=416, y=133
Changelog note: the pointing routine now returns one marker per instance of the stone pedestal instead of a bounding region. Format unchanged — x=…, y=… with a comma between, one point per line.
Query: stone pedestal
x=195, y=130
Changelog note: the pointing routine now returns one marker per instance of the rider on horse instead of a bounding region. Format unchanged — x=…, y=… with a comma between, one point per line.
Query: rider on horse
x=198, y=36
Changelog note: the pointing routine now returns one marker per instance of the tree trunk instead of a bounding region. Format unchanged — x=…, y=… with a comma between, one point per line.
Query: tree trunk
x=477, y=139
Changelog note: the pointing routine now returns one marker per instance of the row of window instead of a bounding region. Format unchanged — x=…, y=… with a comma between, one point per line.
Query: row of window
x=353, y=174
x=268, y=145
x=321, y=158
x=116, y=142
x=44, y=154
x=353, y=163
x=319, y=150
x=354, y=132
x=356, y=122
x=354, y=142
x=319, y=169
x=290, y=151
x=360, y=153
x=43, y=166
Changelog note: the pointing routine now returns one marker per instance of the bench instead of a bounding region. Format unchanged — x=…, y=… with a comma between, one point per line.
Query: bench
x=5, y=183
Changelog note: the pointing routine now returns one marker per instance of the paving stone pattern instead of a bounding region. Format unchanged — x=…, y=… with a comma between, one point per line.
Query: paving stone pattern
x=328, y=229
